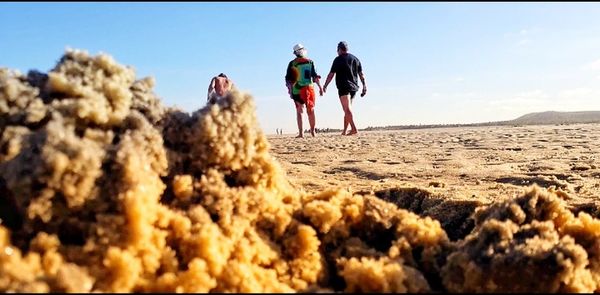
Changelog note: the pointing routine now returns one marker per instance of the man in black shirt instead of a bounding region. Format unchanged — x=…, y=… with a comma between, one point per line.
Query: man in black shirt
x=346, y=68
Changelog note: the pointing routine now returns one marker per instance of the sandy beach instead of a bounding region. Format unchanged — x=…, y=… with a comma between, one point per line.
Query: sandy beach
x=478, y=163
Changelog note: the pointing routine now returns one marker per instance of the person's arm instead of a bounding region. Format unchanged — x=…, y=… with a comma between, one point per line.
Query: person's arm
x=331, y=74
x=364, y=84
x=361, y=75
x=328, y=80
x=288, y=84
x=288, y=77
x=317, y=79
x=211, y=87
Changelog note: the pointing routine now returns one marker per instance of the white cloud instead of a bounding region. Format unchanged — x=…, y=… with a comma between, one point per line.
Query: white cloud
x=459, y=79
x=533, y=95
x=466, y=97
x=574, y=99
x=524, y=42
x=576, y=93
x=528, y=99
x=594, y=66
x=523, y=37
x=524, y=32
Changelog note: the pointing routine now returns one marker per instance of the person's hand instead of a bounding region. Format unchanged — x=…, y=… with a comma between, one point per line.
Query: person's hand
x=364, y=92
x=325, y=89
x=321, y=91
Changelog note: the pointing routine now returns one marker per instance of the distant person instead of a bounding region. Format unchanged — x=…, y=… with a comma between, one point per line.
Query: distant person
x=299, y=79
x=346, y=68
x=219, y=87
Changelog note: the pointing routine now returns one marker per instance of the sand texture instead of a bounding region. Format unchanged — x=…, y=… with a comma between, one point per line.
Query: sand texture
x=104, y=189
x=482, y=164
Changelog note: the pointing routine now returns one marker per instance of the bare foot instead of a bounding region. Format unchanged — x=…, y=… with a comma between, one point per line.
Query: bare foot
x=300, y=136
x=343, y=132
x=352, y=132
x=312, y=132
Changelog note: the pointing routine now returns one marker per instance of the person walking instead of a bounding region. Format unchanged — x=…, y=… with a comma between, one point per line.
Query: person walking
x=347, y=69
x=299, y=78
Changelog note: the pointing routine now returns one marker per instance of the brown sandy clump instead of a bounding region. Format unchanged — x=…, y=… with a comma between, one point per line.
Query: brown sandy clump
x=453, y=214
x=530, y=243
x=378, y=247
x=104, y=189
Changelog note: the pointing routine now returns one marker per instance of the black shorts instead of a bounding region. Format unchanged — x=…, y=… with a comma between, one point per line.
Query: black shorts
x=296, y=97
x=343, y=92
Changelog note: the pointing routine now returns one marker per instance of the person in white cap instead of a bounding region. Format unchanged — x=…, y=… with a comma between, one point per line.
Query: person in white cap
x=299, y=78
x=347, y=69
x=219, y=87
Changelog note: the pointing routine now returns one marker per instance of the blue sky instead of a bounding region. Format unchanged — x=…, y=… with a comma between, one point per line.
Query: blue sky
x=425, y=63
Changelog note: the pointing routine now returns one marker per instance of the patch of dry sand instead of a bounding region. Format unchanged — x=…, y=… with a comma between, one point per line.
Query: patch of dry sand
x=485, y=164
x=103, y=189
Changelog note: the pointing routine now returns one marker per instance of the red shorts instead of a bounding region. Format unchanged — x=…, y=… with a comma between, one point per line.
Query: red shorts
x=307, y=94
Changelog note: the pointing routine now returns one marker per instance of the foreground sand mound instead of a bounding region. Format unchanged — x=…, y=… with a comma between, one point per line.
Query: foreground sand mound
x=104, y=189
x=531, y=243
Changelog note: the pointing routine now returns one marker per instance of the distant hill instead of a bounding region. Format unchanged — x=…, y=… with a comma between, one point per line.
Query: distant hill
x=541, y=118
x=557, y=118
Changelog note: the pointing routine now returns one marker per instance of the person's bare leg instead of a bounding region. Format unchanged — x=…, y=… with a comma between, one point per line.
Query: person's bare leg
x=351, y=119
x=299, y=119
x=311, y=120
x=345, y=125
x=344, y=102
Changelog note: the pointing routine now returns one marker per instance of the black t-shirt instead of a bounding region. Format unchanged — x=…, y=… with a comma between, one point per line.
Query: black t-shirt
x=346, y=68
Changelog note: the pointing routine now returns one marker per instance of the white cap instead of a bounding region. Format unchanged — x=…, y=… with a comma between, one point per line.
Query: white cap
x=299, y=50
x=298, y=47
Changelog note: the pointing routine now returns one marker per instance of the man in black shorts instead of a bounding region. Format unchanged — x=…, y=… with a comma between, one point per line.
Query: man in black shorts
x=346, y=68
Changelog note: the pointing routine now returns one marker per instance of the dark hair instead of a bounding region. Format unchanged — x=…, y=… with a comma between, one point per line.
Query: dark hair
x=343, y=45
x=222, y=75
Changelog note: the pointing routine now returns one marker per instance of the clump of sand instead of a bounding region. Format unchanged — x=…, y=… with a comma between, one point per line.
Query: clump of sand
x=107, y=190
x=530, y=243
x=102, y=188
